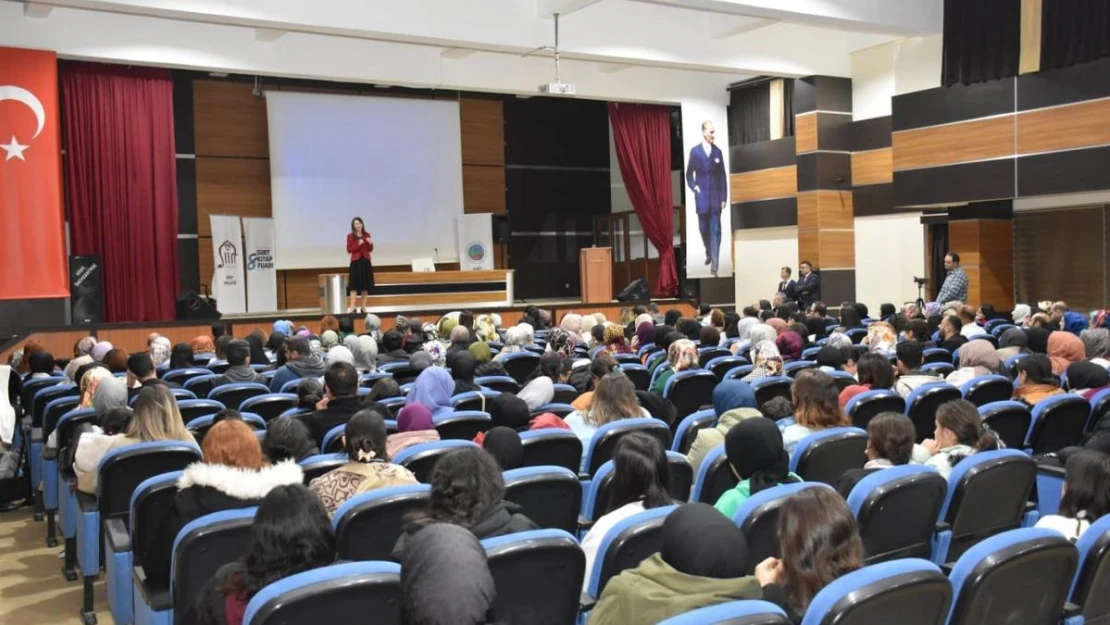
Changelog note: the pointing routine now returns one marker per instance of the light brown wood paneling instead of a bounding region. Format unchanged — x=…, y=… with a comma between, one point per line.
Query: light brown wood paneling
x=483, y=189
x=963, y=235
x=59, y=344
x=483, y=131
x=825, y=209
x=808, y=245
x=837, y=249
x=436, y=299
x=231, y=186
x=133, y=339
x=1030, y=58
x=872, y=167
x=438, y=277
x=229, y=120
x=805, y=132
x=1064, y=127
x=954, y=143
x=764, y=184
x=987, y=255
x=206, y=265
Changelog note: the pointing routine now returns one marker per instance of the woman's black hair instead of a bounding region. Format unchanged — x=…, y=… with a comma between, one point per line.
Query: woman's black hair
x=366, y=434
x=1086, y=486
x=548, y=366
x=732, y=321
x=346, y=325
x=116, y=420
x=384, y=388
x=962, y=418
x=42, y=362
x=765, y=315
x=598, y=333
x=359, y=220
x=288, y=439
x=849, y=317
x=1038, y=369
x=181, y=356
x=875, y=369
x=227, y=414
x=640, y=472
x=309, y=393
x=291, y=533
x=466, y=485
x=276, y=342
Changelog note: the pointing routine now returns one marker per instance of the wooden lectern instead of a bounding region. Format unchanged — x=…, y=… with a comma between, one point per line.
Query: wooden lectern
x=595, y=267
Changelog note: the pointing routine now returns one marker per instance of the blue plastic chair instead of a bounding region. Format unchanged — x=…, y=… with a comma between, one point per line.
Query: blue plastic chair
x=746, y=612
x=192, y=408
x=689, y=427
x=558, y=409
x=906, y=497
x=766, y=389
x=824, y=456
x=269, y=406
x=331, y=594
x=601, y=446
x=201, y=385
x=922, y=405
x=1010, y=420
x=462, y=424
x=368, y=525
x=552, y=447
x=758, y=517
x=867, y=405
x=473, y=400
x=522, y=562
x=550, y=496
x=985, y=389
x=881, y=593
x=625, y=545
x=519, y=365
x=1058, y=422
x=714, y=478
x=421, y=458
x=1092, y=575
x=233, y=395
x=737, y=372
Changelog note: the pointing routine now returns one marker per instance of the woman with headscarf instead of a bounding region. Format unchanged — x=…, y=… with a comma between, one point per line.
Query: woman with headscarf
x=89, y=383
x=510, y=411
x=681, y=355
x=460, y=339
x=561, y=342
x=159, y=351
x=767, y=361
x=1037, y=338
x=881, y=337
x=790, y=345
x=329, y=339
x=84, y=346
x=483, y=355
x=421, y=360
x=437, y=349
x=284, y=326
x=537, y=392
x=733, y=402
x=414, y=426
x=444, y=578
x=703, y=561
x=1096, y=343
x=365, y=351
x=433, y=388
x=504, y=445
x=1021, y=315
x=1035, y=380
x=779, y=325
x=1012, y=342
x=110, y=394
x=587, y=326
x=1064, y=348
x=484, y=328
x=374, y=326
x=614, y=339
x=516, y=338
x=645, y=332
x=339, y=353
x=762, y=332
x=1086, y=379
x=99, y=351
x=977, y=357
x=462, y=366
x=758, y=458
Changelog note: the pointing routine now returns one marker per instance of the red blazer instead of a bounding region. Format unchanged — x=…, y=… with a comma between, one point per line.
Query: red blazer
x=358, y=249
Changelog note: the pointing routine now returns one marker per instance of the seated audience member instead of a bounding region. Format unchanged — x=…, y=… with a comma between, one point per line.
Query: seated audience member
x=890, y=441
x=777, y=408
x=959, y=433
x=1037, y=339
x=508, y=410
x=562, y=343
x=709, y=336
x=881, y=337
x=42, y=365
x=850, y=318
x=275, y=345
x=758, y=459
x=468, y=491
x=1021, y=314
x=1064, y=348
x=463, y=364
x=1086, y=494
x=585, y=379
x=156, y=418
x=256, y=340
x=204, y=347
x=504, y=445
x=540, y=389
x=340, y=402
x=776, y=324
x=819, y=541
x=613, y=338
x=829, y=359
x=108, y=400
x=968, y=327
x=486, y=364
x=414, y=426
x=1086, y=379
x=1012, y=342
x=815, y=407
x=688, y=327
x=368, y=467
x=116, y=360
x=309, y=393
x=790, y=345
x=640, y=478
x=433, y=388
x=918, y=330
x=1068, y=320
x=301, y=362
x=233, y=474
x=392, y=348
x=950, y=337
x=874, y=373
x=287, y=439
x=682, y=355
x=238, y=357
x=221, y=346
x=1041, y=320
x=1036, y=381
x=291, y=533
x=645, y=332
x=733, y=402
x=1096, y=344
x=516, y=338
x=910, y=375
x=766, y=359
x=141, y=374
x=977, y=358
x=445, y=579
x=339, y=353
x=703, y=561
x=385, y=388
x=365, y=350
x=614, y=399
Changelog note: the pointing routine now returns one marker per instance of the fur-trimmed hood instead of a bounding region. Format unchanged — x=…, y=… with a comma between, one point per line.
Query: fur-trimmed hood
x=241, y=483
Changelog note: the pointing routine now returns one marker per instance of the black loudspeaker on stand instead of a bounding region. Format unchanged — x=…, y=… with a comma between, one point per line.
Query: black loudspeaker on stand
x=636, y=291
x=192, y=307
x=86, y=290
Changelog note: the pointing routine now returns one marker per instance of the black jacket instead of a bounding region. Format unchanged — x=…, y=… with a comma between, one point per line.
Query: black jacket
x=953, y=343
x=809, y=290
x=505, y=518
x=339, y=411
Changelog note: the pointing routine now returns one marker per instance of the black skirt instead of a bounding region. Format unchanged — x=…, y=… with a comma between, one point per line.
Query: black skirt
x=361, y=277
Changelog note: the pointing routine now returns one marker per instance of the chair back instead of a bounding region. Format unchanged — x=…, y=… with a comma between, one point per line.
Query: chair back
x=402, y=372
x=638, y=374
x=745, y=612
x=47, y=394
x=124, y=468
x=767, y=389
x=34, y=385
x=987, y=493
x=1010, y=420
x=922, y=404
x=519, y=365
x=738, y=372
x=151, y=506
x=605, y=439
x=714, y=478
x=462, y=424
x=842, y=379
x=552, y=447
x=857, y=335
x=711, y=353
x=368, y=380
x=233, y=395
x=395, y=404
x=201, y=548
x=181, y=376
x=192, y=408
x=54, y=410
x=66, y=425
x=993, y=580
x=368, y=525
x=201, y=385
x=315, y=466
x=470, y=400
x=793, y=368
x=986, y=389
x=1100, y=409
x=825, y=456
x=690, y=391
x=721, y=365
x=867, y=405
x=1058, y=422
x=687, y=431
x=499, y=383
x=597, y=503
x=626, y=544
x=270, y=405
x=218, y=366
x=1093, y=577
x=550, y=496
x=759, y=518
x=331, y=594
x=200, y=426
x=907, y=592
x=939, y=369
x=521, y=563
x=564, y=394
x=897, y=509
x=421, y=458
x=559, y=410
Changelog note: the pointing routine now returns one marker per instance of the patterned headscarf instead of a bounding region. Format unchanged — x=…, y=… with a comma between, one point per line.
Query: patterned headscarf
x=561, y=341
x=160, y=349
x=1096, y=341
x=484, y=328
x=431, y=331
x=767, y=360
x=932, y=309
x=1021, y=314
x=572, y=322
x=881, y=337
x=90, y=382
x=682, y=355
x=401, y=324
x=614, y=338
x=438, y=351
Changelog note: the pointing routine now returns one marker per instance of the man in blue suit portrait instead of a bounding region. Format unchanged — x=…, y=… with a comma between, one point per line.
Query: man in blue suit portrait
x=707, y=178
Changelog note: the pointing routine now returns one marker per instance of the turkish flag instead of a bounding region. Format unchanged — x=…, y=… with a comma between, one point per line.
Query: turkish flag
x=32, y=221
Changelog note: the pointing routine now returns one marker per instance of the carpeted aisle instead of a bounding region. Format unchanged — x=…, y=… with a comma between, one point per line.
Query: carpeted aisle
x=32, y=589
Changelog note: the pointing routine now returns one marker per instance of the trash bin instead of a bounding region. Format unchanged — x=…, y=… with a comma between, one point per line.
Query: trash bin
x=333, y=289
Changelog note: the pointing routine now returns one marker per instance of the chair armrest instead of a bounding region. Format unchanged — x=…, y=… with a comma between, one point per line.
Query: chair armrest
x=87, y=502
x=584, y=523
x=584, y=476
x=1071, y=609
x=116, y=536
x=943, y=527
x=586, y=603
x=947, y=567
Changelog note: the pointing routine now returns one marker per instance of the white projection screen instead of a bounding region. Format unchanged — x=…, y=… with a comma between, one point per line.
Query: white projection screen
x=395, y=162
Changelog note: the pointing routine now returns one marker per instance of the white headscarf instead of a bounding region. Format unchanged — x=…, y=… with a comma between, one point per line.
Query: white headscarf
x=538, y=392
x=339, y=353
x=1022, y=313
x=762, y=332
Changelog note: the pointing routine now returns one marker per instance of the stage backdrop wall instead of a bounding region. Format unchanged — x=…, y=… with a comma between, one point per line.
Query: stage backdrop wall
x=708, y=218
x=760, y=254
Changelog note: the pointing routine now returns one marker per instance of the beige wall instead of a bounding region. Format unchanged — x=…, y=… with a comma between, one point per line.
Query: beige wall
x=760, y=254
x=890, y=251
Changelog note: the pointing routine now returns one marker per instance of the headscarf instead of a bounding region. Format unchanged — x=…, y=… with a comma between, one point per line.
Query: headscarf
x=733, y=394
x=374, y=326
x=767, y=360
x=75, y=364
x=561, y=342
x=438, y=351
x=572, y=322
x=339, y=353
x=682, y=355
x=366, y=353
x=329, y=339
x=778, y=324
x=981, y=356
x=700, y=541
x=110, y=393
x=1013, y=337
x=1021, y=314
x=484, y=328
x=401, y=324
x=762, y=332
x=414, y=417
x=203, y=345
x=1100, y=319
x=85, y=346
x=538, y=392
x=1096, y=342
x=790, y=345
x=509, y=410
x=1074, y=322
x=645, y=332
x=89, y=383
x=430, y=331
x=445, y=579
x=101, y=349
x=1084, y=375
x=421, y=360
x=881, y=337
x=284, y=326
x=932, y=309
x=614, y=338
x=459, y=334
x=829, y=356
x=755, y=450
x=838, y=340
x=481, y=352
x=1064, y=348
x=462, y=365
x=1037, y=339
x=504, y=445
x=433, y=388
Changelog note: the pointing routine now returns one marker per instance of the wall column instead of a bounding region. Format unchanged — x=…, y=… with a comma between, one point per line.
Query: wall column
x=982, y=233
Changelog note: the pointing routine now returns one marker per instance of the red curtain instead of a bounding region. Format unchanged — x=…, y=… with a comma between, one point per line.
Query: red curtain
x=121, y=183
x=642, y=134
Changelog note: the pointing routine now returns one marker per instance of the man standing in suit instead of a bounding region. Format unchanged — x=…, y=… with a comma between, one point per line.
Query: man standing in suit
x=707, y=178
x=809, y=285
x=788, y=287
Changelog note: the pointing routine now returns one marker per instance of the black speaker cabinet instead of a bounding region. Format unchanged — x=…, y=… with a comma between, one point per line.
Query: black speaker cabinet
x=192, y=307
x=86, y=290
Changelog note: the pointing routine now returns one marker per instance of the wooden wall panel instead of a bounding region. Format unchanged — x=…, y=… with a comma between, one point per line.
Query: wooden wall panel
x=805, y=132
x=59, y=344
x=483, y=189
x=134, y=339
x=809, y=246
x=954, y=143
x=1064, y=127
x=232, y=186
x=206, y=265
x=483, y=131
x=836, y=249
x=764, y=184
x=963, y=235
x=825, y=209
x=987, y=255
x=872, y=167
x=229, y=120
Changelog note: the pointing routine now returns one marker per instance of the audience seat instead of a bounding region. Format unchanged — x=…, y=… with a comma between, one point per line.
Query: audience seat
x=605, y=439
x=922, y=405
x=758, y=517
x=470, y=400
x=767, y=389
x=1049, y=488
x=939, y=369
x=315, y=466
x=626, y=358
x=792, y=369
x=737, y=372
x=747, y=612
x=421, y=458
x=689, y=427
x=538, y=576
x=1088, y=590
x=997, y=326
x=557, y=409
x=201, y=385
x=395, y=404
x=499, y=383
x=896, y=509
x=625, y=545
x=192, y=408
x=658, y=371
x=551, y=496
x=1100, y=409
x=1010, y=420
x=1020, y=576
x=824, y=456
x=59, y=482
x=200, y=425
x=368, y=380
x=233, y=395
x=842, y=379
x=402, y=372
x=596, y=503
x=32, y=386
x=986, y=389
x=291, y=386
x=218, y=366
x=519, y=365
x=564, y=394
x=906, y=592
x=993, y=340
x=34, y=443
x=690, y=391
x=646, y=348
x=857, y=335
x=867, y=405
x=151, y=504
x=715, y=477
x=721, y=365
x=462, y=424
x=181, y=376
x=987, y=495
x=331, y=594
x=707, y=354
x=179, y=394
x=638, y=374
x=45, y=461
x=1011, y=364
x=552, y=447
x=270, y=405
x=1058, y=422
x=368, y=525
